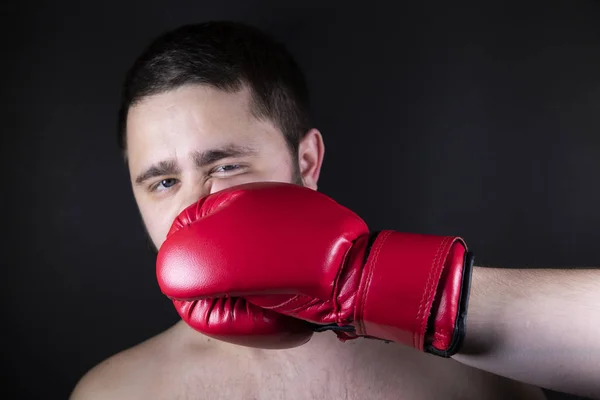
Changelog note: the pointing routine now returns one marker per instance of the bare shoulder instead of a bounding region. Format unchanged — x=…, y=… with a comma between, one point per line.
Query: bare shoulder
x=142, y=371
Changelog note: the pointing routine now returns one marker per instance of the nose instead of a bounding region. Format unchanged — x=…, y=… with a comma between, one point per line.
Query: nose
x=219, y=185
x=193, y=192
x=189, y=194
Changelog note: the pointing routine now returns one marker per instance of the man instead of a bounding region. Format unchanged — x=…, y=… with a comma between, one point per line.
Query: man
x=215, y=106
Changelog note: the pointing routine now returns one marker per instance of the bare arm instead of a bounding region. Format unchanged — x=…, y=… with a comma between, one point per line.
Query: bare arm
x=539, y=326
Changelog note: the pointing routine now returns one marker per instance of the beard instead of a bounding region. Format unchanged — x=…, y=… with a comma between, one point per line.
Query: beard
x=296, y=180
x=297, y=176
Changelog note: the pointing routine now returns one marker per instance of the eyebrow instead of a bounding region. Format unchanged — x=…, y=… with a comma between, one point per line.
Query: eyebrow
x=162, y=168
x=201, y=159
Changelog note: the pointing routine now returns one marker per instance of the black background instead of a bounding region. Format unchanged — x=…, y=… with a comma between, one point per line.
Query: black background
x=481, y=121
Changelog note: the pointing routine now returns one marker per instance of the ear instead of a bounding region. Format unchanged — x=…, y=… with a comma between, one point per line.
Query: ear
x=311, y=151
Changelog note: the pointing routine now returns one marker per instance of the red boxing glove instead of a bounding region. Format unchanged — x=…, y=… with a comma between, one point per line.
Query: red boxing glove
x=234, y=320
x=286, y=250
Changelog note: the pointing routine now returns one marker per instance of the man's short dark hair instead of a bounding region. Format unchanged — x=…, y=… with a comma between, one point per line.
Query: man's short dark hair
x=228, y=56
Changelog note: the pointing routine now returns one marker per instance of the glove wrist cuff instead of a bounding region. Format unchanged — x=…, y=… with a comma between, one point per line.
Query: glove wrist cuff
x=414, y=290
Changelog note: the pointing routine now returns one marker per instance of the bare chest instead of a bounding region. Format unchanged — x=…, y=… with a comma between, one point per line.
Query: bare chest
x=413, y=377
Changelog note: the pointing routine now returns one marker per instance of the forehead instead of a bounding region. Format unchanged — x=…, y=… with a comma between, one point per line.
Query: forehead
x=193, y=118
x=198, y=107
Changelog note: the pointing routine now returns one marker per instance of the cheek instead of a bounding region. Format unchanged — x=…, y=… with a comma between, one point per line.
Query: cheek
x=157, y=221
x=279, y=175
x=280, y=167
x=285, y=172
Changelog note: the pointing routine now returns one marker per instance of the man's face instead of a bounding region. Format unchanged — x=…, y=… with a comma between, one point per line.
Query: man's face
x=195, y=140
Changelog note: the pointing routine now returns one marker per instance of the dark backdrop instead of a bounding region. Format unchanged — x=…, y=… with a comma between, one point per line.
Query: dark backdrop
x=482, y=122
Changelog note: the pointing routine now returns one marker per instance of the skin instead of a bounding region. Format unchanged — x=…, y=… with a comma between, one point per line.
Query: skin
x=177, y=128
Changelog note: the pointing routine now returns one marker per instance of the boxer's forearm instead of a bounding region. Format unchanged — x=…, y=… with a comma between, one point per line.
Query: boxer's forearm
x=536, y=326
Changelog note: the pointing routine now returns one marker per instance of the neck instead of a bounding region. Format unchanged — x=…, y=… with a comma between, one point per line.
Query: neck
x=323, y=348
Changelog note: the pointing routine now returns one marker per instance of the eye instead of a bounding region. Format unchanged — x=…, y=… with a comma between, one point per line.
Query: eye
x=165, y=184
x=224, y=169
